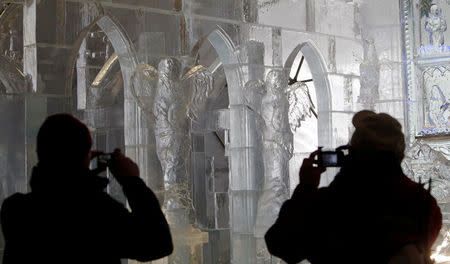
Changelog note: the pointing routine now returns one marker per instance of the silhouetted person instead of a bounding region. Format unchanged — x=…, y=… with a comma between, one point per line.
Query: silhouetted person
x=369, y=213
x=69, y=218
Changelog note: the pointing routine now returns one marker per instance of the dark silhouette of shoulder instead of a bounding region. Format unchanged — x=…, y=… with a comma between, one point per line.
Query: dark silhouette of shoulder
x=78, y=225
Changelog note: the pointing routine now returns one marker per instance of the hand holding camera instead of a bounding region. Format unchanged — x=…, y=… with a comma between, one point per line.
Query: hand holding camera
x=122, y=166
x=317, y=163
x=310, y=174
x=118, y=164
x=331, y=158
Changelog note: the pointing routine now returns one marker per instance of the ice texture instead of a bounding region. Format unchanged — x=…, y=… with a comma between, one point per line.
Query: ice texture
x=370, y=72
x=422, y=163
x=277, y=151
x=300, y=104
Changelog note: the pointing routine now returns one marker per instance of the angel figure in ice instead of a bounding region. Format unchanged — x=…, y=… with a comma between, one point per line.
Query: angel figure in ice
x=283, y=108
x=176, y=100
x=436, y=25
x=438, y=108
x=171, y=131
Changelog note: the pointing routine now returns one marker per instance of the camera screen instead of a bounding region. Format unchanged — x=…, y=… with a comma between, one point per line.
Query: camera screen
x=104, y=158
x=329, y=159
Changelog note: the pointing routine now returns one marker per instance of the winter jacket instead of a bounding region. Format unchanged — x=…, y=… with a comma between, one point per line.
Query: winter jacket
x=366, y=215
x=69, y=218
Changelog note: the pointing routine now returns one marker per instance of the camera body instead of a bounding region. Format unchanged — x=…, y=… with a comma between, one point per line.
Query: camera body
x=104, y=160
x=333, y=158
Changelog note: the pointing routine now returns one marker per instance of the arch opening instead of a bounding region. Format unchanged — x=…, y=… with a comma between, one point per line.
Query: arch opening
x=97, y=83
x=209, y=162
x=305, y=64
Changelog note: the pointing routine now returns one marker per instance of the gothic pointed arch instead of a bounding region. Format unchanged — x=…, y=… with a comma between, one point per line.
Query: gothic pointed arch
x=322, y=85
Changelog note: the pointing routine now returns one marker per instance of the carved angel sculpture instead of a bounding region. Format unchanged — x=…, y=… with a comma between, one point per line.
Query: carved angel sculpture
x=436, y=25
x=284, y=107
x=170, y=101
x=177, y=99
x=277, y=150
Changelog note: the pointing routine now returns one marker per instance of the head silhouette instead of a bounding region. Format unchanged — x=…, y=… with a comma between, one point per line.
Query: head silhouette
x=378, y=133
x=64, y=141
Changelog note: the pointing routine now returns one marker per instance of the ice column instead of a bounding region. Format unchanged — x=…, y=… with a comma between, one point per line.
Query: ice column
x=246, y=144
x=35, y=105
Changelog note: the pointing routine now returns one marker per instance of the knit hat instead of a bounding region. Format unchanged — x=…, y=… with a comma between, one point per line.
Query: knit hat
x=378, y=132
x=63, y=140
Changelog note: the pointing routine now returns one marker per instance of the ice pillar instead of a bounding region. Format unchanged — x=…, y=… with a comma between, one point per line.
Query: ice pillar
x=246, y=160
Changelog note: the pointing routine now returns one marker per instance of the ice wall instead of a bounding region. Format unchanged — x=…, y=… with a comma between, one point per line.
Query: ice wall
x=353, y=50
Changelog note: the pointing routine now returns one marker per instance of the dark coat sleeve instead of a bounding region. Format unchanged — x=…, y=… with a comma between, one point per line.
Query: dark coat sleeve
x=12, y=234
x=142, y=234
x=435, y=221
x=291, y=236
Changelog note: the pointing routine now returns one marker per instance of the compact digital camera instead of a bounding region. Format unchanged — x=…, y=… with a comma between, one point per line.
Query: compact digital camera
x=104, y=160
x=334, y=158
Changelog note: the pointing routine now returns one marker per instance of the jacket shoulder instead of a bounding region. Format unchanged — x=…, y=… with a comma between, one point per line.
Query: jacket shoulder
x=16, y=199
x=15, y=203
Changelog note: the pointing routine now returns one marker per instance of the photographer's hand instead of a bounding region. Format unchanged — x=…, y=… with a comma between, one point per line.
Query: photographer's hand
x=310, y=175
x=122, y=166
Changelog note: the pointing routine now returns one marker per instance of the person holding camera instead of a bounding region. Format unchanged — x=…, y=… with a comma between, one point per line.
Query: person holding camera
x=370, y=213
x=69, y=218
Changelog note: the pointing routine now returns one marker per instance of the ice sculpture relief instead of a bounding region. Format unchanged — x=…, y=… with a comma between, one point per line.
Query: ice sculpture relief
x=370, y=75
x=423, y=163
x=436, y=25
x=438, y=108
x=437, y=100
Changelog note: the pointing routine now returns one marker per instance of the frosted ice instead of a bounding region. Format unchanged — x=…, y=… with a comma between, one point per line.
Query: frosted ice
x=196, y=93
x=278, y=147
x=423, y=163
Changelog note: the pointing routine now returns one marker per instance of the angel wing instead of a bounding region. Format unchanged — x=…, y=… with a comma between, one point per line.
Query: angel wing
x=200, y=82
x=301, y=105
x=143, y=87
